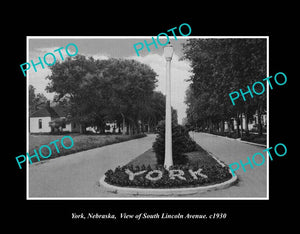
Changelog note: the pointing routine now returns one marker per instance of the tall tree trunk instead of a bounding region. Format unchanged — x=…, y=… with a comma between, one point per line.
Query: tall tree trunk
x=130, y=128
x=210, y=126
x=119, y=128
x=143, y=127
x=127, y=127
x=222, y=126
x=133, y=128
x=82, y=128
x=259, y=120
x=123, y=124
x=238, y=125
x=241, y=120
x=246, y=120
x=148, y=125
x=246, y=124
x=137, y=127
x=231, y=125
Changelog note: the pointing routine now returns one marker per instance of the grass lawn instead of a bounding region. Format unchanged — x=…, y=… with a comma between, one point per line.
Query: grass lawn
x=255, y=138
x=81, y=143
x=147, y=158
x=199, y=157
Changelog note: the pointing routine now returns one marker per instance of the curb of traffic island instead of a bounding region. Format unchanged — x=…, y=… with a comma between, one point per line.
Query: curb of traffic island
x=165, y=191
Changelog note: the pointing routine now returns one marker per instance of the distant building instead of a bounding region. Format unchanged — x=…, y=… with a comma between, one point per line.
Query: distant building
x=252, y=124
x=40, y=119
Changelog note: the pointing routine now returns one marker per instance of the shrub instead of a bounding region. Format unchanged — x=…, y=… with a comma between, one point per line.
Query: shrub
x=181, y=143
x=255, y=138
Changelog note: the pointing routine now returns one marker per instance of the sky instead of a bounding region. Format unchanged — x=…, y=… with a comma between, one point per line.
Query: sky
x=114, y=47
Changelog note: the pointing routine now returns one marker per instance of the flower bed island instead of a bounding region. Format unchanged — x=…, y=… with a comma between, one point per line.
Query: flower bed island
x=176, y=177
x=194, y=168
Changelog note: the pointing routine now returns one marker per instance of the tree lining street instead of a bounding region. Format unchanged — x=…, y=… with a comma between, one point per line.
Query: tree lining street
x=219, y=67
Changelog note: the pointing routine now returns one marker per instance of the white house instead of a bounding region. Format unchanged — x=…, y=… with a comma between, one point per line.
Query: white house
x=251, y=124
x=39, y=120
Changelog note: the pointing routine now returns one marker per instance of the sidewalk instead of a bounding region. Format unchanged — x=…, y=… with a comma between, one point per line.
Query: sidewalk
x=234, y=139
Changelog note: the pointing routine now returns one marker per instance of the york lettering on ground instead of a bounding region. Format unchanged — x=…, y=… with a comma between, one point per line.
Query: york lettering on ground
x=22, y=158
x=155, y=175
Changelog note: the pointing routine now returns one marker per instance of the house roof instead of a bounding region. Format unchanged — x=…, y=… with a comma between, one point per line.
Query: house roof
x=53, y=112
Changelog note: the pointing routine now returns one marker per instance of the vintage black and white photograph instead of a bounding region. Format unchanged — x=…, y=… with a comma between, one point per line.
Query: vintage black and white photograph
x=143, y=117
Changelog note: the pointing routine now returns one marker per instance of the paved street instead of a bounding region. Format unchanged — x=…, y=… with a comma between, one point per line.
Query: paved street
x=253, y=182
x=77, y=175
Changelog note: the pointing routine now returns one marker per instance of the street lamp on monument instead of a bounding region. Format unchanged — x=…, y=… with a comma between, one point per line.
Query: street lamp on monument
x=168, y=53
